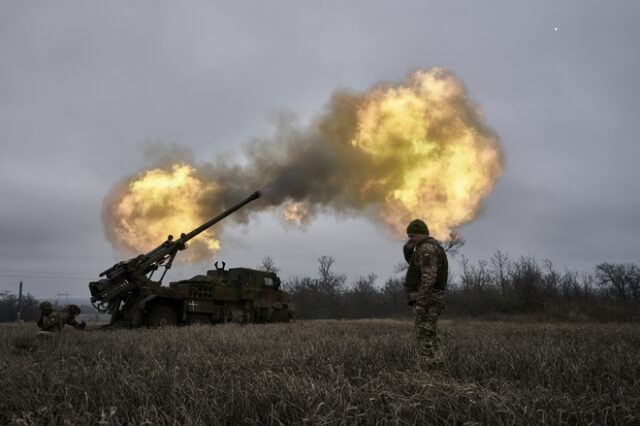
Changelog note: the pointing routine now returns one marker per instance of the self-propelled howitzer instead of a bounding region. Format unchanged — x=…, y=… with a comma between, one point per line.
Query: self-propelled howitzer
x=132, y=298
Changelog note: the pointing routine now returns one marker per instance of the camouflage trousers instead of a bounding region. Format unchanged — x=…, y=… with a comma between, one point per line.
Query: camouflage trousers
x=426, y=319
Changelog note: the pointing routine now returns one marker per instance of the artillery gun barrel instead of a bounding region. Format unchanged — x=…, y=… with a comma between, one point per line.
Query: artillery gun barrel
x=143, y=262
x=186, y=237
x=124, y=276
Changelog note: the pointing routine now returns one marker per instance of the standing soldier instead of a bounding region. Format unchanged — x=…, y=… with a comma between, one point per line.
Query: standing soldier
x=53, y=321
x=425, y=284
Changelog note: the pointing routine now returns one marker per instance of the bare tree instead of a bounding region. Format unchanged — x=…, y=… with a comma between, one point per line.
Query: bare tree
x=364, y=284
x=501, y=264
x=466, y=278
x=621, y=280
x=400, y=267
x=324, y=267
x=329, y=280
x=550, y=279
x=269, y=265
x=587, y=284
x=454, y=243
x=569, y=285
x=526, y=282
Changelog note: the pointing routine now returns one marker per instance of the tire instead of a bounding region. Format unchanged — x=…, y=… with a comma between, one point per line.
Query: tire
x=161, y=316
x=199, y=319
x=280, y=315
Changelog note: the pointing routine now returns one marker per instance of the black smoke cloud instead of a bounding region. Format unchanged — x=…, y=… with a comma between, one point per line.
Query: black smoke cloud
x=319, y=166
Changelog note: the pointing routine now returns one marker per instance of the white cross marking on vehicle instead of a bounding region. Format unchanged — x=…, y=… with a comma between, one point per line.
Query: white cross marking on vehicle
x=193, y=305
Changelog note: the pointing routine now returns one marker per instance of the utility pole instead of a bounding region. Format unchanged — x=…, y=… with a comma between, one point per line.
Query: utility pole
x=20, y=303
x=61, y=295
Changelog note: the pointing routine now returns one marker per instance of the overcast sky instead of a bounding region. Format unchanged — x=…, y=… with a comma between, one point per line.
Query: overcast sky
x=86, y=86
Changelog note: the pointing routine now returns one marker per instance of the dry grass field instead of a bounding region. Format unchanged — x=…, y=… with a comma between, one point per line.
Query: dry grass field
x=322, y=372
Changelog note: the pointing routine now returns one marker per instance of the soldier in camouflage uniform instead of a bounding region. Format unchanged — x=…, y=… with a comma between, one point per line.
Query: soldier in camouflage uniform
x=425, y=284
x=53, y=321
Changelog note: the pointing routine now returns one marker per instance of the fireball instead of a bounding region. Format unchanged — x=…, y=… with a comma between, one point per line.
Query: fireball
x=417, y=149
x=159, y=202
x=443, y=164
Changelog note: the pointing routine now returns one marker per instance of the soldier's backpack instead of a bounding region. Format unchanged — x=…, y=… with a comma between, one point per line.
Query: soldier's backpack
x=413, y=275
x=443, y=264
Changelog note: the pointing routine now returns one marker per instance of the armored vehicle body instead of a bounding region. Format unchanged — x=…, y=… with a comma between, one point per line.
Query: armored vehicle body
x=242, y=295
x=238, y=295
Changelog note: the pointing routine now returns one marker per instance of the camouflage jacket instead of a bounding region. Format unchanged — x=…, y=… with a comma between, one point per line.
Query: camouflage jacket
x=56, y=320
x=426, y=277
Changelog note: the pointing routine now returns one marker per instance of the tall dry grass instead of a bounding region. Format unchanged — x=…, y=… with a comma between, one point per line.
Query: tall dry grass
x=322, y=372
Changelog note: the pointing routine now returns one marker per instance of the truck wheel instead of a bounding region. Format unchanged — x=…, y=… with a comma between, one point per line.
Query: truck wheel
x=161, y=316
x=199, y=319
x=280, y=315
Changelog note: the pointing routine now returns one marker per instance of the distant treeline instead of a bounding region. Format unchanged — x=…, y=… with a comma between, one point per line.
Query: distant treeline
x=492, y=288
x=9, y=307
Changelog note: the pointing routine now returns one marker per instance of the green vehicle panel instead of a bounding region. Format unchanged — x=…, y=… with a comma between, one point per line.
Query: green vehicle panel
x=239, y=295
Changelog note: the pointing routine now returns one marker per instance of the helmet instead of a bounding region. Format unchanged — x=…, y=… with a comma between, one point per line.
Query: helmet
x=72, y=309
x=417, y=226
x=46, y=307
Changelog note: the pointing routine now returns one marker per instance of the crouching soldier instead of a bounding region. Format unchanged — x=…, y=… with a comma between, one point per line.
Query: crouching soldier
x=52, y=320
